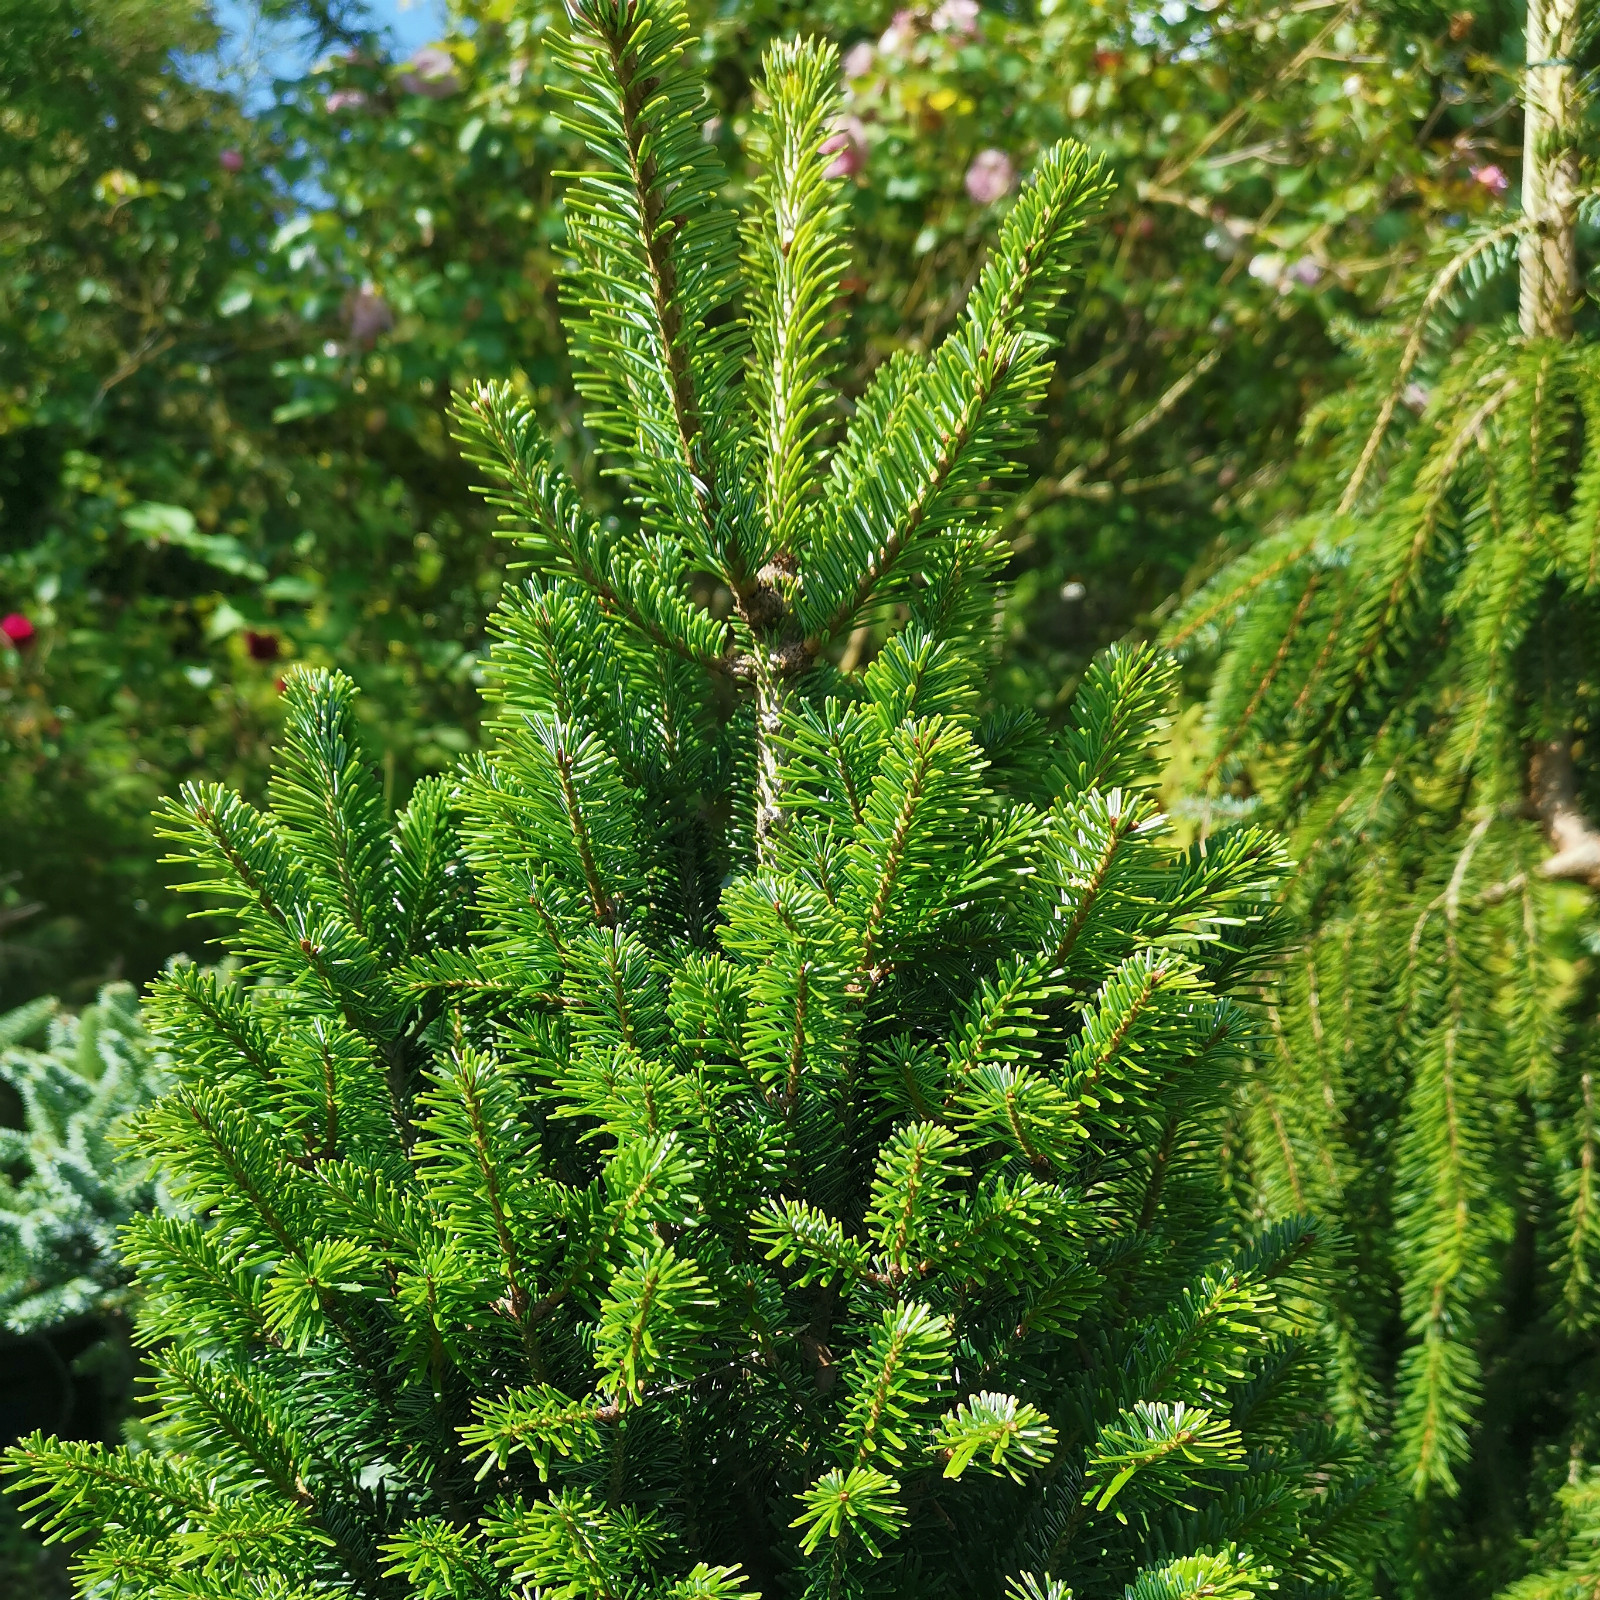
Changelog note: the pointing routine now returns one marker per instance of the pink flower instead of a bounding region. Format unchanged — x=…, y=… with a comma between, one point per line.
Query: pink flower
x=346, y=100
x=17, y=629
x=990, y=177
x=848, y=147
x=900, y=33
x=959, y=17
x=1306, y=271
x=858, y=60
x=1492, y=178
x=231, y=161
x=367, y=314
x=432, y=74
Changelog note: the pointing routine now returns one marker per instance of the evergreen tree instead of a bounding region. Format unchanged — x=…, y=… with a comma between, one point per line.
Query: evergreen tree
x=1408, y=680
x=65, y=1292
x=63, y=1193
x=756, y=1129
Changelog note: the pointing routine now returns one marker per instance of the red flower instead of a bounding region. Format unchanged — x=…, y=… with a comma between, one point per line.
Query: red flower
x=17, y=629
x=262, y=646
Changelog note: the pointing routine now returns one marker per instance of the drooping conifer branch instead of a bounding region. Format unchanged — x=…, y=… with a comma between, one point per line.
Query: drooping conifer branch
x=1405, y=679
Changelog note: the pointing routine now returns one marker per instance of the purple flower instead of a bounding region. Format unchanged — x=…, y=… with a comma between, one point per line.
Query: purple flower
x=848, y=147
x=959, y=17
x=231, y=161
x=1492, y=179
x=990, y=177
x=346, y=100
x=432, y=74
x=367, y=314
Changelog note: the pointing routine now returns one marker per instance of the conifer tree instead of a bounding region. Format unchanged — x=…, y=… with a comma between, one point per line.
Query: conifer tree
x=755, y=1130
x=63, y=1193
x=1408, y=680
x=65, y=1352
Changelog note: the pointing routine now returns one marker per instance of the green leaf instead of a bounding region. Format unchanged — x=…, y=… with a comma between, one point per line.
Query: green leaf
x=173, y=526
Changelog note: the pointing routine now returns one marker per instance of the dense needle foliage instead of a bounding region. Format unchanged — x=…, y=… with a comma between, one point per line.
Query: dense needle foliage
x=757, y=1128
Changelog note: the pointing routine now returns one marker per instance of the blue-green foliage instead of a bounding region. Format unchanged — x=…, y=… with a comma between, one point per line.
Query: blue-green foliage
x=63, y=1192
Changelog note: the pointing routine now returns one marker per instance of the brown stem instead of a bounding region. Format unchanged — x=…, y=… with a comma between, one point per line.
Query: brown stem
x=770, y=694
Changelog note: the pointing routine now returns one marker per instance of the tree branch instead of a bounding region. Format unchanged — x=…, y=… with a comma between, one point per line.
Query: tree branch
x=1573, y=837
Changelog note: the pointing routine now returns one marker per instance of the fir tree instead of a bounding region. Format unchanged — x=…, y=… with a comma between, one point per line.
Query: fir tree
x=65, y=1290
x=1408, y=681
x=755, y=1131
x=63, y=1193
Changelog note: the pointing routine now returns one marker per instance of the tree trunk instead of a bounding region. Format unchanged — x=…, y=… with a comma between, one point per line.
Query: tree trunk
x=1549, y=255
x=1548, y=261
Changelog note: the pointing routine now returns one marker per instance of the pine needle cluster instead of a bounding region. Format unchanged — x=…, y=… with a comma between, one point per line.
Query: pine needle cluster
x=756, y=1130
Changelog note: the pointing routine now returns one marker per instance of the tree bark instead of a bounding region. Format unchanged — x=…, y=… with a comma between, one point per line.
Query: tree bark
x=1548, y=257
x=1548, y=264
x=1572, y=836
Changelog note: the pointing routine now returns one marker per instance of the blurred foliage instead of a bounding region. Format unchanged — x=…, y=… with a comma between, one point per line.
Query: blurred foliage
x=228, y=335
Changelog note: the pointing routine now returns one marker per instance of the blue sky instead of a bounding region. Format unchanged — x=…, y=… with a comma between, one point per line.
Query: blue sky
x=255, y=55
x=414, y=23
